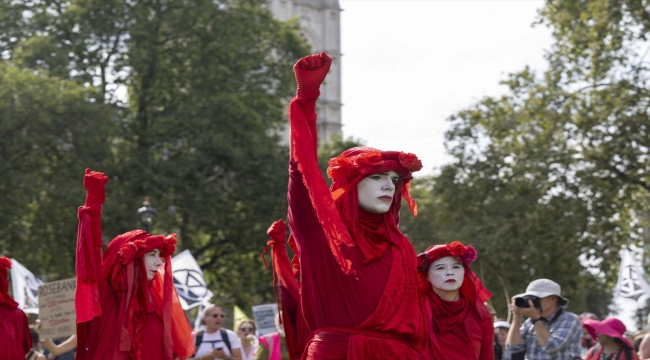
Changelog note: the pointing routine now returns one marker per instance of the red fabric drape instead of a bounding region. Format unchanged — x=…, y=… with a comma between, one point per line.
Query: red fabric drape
x=15, y=339
x=448, y=314
x=297, y=334
x=127, y=317
x=5, y=264
x=375, y=312
x=466, y=321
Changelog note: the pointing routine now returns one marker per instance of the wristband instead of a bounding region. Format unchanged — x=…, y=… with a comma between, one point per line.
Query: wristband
x=541, y=318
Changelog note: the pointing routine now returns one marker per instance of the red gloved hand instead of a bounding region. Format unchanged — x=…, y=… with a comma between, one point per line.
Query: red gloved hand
x=95, y=183
x=310, y=72
x=277, y=231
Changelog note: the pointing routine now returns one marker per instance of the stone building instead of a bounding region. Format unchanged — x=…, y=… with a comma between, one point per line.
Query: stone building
x=320, y=21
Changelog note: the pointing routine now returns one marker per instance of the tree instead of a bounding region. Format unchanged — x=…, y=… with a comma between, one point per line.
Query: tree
x=552, y=178
x=51, y=130
x=198, y=87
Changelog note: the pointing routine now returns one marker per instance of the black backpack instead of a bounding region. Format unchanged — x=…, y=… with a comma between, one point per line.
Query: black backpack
x=224, y=336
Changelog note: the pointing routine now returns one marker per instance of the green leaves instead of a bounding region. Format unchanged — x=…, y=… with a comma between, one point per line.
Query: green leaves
x=189, y=94
x=50, y=132
x=551, y=179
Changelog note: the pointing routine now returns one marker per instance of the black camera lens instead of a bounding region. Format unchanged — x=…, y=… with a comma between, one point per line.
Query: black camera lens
x=522, y=302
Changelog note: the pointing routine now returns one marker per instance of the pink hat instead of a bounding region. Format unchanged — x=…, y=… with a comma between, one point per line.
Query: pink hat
x=611, y=327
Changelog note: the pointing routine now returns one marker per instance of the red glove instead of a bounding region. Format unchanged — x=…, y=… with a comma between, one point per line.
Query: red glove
x=95, y=183
x=310, y=72
x=277, y=231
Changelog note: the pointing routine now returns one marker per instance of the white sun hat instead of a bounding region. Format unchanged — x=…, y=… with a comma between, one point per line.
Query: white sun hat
x=543, y=288
x=502, y=324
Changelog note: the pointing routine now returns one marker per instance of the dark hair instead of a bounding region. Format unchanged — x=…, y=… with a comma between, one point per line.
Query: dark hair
x=637, y=343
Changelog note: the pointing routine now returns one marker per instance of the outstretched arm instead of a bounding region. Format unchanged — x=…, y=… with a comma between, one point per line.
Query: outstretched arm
x=306, y=180
x=89, y=247
x=310, y=72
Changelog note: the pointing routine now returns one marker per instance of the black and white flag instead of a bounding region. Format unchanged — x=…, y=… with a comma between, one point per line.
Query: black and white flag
x=24, y=286
x=631, y=284
x=189, y=281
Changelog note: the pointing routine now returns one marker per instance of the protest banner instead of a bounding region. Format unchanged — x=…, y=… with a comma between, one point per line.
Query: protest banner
x=56, y=308
x=265, y=318
x=189, y=281
x=25, y=287
x=632, y=290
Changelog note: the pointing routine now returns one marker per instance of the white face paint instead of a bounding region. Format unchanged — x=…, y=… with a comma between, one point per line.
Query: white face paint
x=152, y=262
x=446, y=274
x=376, y=192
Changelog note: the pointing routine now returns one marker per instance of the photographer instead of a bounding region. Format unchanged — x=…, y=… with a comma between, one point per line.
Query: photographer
x=550, y=332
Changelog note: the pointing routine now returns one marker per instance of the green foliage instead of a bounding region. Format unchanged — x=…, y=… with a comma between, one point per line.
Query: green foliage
x=50, y=130
x=196, y=88
x=554, y=175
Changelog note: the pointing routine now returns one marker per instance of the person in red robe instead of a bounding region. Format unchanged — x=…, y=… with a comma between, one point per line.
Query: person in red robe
x=126, y=303
x=459, y=324
x=15, y=338
x=286, y=274
x=358, y=272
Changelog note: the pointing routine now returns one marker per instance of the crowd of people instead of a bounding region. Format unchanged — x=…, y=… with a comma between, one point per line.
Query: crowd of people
x=355, y=289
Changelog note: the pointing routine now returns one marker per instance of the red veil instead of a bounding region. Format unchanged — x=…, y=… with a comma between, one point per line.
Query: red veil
x=447, y=316
x=297, y=333
x=15, y=339
x=115, y=300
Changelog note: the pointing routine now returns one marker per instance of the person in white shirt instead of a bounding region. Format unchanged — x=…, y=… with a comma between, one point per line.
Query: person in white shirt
x=246, y=332
x=214, y=342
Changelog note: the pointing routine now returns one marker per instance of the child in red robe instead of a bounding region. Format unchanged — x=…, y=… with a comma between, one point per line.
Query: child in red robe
x=459, y=324
x=15, y=338
x=126, y=304
x=359, y=288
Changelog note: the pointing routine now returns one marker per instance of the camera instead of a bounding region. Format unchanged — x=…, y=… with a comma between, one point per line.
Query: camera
x=522, y=302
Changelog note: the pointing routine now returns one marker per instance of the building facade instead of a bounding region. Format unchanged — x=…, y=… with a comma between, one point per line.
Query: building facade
x=320, y=21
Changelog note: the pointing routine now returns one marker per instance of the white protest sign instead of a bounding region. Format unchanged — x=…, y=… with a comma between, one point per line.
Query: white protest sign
x=24, y=286
x=57, y=308
x=265, y=318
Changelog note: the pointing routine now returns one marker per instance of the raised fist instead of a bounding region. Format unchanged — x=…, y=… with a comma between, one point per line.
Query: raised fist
x=277, y=231
x=95, y=183
x=310, y=73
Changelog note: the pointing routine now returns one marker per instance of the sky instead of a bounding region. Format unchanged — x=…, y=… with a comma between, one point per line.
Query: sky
x=408, y=65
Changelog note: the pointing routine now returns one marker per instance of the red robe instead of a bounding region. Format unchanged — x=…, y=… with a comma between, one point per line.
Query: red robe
x=375, y=311
x=121, y=315
x=475, y=333
x=103, y=338
x=15, y=339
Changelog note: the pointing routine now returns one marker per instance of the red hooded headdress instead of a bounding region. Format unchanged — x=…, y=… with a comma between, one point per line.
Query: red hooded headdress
x=472, y=290
x=114, y=300
x=123, y=269
x=337, y=209
x=5, y=263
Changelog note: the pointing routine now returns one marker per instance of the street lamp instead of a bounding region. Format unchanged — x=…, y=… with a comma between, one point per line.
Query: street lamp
x=147, y=215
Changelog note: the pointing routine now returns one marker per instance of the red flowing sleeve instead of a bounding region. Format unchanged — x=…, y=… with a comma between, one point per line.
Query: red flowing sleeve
x=89, y=248
x=487, y=346
x=310, y=72
x=297, y=334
